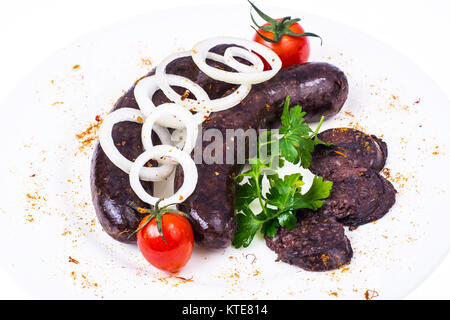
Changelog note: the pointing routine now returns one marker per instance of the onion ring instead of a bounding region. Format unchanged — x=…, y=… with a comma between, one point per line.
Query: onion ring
x=111, y=151
x=179, y=113
x=186, y=162
x=232, y=52
x=201, y=104
x=179, y=137
x=200, y=53
x=146, y=88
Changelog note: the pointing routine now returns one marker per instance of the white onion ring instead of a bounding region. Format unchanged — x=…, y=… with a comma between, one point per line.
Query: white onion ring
x=186, y=162
x=179, y=113
x=200, y=104
x=233, y=98
x=111, y=151
x=178, y=137
x=232, y=52
x=146, y=88
x=200, y=53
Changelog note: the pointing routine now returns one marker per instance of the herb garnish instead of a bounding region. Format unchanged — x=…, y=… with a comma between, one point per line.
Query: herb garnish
x=284, y=196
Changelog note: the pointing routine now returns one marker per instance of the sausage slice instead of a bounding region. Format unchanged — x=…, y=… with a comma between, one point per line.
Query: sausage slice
x=351, y=148
x=318, y=243
x=359, y=196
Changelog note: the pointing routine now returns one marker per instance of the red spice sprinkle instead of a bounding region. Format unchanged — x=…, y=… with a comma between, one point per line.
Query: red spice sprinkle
x=191, y=279
x=334, y=294
x=340, y=153
x=370, y=294
x=98, y=118
x=185, y=95
x=89, y=135
x=146, y=62
x=76, y=66
x=73, y=260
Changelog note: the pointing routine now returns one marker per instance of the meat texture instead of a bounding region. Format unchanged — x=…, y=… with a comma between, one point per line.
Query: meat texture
x=351, y=149
x=318, y=243
x=360, y=194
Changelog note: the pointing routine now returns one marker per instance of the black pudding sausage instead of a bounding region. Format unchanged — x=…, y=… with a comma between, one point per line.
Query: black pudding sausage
x=320, y=88
x=110, y=187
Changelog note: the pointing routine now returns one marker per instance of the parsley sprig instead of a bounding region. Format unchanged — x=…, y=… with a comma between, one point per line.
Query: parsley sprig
x=284, y=196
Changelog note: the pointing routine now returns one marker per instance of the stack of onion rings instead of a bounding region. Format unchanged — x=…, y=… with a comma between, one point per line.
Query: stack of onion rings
x=179, y=114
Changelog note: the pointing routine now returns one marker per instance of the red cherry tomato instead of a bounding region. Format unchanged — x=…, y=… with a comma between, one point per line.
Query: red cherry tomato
x=172, y=255
x=290, y=49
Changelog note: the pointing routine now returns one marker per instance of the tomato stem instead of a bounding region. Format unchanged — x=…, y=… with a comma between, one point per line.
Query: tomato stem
x=156, y=213
x=278, y=28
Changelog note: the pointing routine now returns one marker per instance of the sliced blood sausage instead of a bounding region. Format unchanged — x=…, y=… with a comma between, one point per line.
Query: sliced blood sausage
x=317, y=243
x=331, y=259
x=358, y=196
x=319, y=87
x=373, y=197
x=351, y=148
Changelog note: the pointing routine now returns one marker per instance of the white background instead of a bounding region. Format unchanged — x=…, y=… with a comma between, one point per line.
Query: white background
x=32, y=30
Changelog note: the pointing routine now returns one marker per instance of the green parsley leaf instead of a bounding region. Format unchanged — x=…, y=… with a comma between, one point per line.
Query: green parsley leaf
x=248, y=225
x=298, y=139
x=320, y=189
x=281, y=191
x=270, y=227
x=284, y=196
x=245, y=194
x=288, y=220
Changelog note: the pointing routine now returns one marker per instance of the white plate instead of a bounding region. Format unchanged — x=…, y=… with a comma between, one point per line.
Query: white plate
x=46, y=213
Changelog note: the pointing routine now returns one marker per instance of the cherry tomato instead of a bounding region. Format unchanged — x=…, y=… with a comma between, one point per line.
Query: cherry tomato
x=172, y=255
x=290, y=49
x=284, y=36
